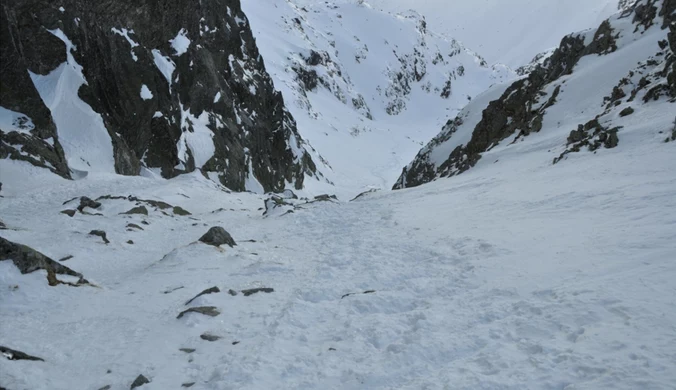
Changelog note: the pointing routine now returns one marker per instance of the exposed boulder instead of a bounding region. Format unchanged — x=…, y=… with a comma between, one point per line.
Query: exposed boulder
x=28, y=260
x=137, y=210
x=100, y=233
x=212, y=290
x=210, y=311
x=139, y=381
x=12, y=354
x=253, y=291
x=70, y=213
x=210, y=337
x=86, y=202
x=217, y=236
x=180, y=211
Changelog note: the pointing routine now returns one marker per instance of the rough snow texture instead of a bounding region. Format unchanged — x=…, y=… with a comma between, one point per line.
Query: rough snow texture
x=516, y=275
x=572, y=103
x=368, y=88
x=92, y=77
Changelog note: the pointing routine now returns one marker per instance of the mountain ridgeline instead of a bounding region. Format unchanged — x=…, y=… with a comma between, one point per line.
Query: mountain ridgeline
x=144, y=87
x=641, y=37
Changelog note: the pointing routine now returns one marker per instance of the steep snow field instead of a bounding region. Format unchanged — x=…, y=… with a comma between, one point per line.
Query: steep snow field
x=381, y=80
x=511, y=276
x=511, y=32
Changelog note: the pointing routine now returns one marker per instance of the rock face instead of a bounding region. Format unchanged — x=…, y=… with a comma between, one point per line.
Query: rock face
x=176, y=87
x=522, y=107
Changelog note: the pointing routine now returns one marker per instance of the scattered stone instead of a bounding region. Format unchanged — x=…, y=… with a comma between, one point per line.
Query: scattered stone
x=217, y=236
x=139, y=381
x=130, y=242
x=169, y=291
x=235, y=342
x=627, y=111
x=232, y=292
x=137, y=210
x=325, y=198
x=134, y=226
x=189, y=384
x=70, y=213
x=365, y=292
x=100, y=233
x=28, y=260
x=66, y=258
x=106, y=387
x=68, y=201
x=12, y=354
x=332, y=349
x=211, y=311
x=180, y=211
x=210, y=337
x=288, y=194
x=145, y=222
x=364, y=194
x=211, y=290
x=86, y=202
x=157, y=203
x=187, y=350
x=252, y=291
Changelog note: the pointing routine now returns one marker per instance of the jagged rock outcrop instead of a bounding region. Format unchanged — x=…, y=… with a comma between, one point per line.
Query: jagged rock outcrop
x=522, y=107
x=120, y=85
x=28, y=260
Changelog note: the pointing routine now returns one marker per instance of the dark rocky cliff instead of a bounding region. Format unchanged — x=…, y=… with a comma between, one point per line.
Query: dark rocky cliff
x=521, y=108
x=159, y=73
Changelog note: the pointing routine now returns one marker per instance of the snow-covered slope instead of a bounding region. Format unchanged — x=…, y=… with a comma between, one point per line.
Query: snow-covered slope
x=511, y=32
x=611, y=87
x=516, y=276
x=366, y=87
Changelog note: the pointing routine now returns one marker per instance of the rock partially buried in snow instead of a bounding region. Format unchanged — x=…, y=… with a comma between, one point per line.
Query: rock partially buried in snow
x=28, y=260
x=325, y=198
x=210, y=337
x=86, y=202
x=217, y=236
x=189, y=384
x=137, y=210
x=187, y=350
x=252, y=291
x=12, y=354
x=211, y=290
x=210, y=311
x=181, y=211
x=70, y=213
x=139, y=381
x=100, y=233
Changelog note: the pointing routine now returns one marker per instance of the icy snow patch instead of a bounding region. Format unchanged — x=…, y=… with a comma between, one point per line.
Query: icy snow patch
x=15, y=121
x=165, y=65
x=82, y=134
x=181, y=42
x=196, y=137
x=145, y=93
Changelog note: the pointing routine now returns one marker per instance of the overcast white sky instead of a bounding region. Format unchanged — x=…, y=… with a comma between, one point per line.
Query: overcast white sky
x=507, y=31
